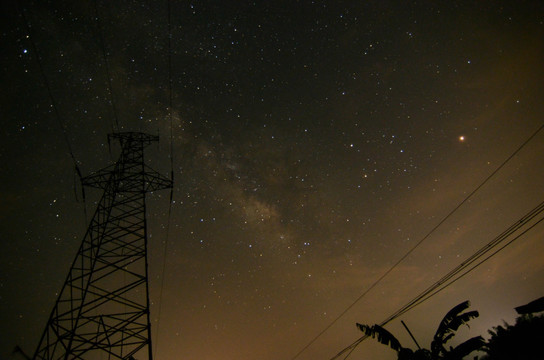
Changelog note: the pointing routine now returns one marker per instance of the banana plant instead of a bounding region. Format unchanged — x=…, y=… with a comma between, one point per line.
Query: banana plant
x=446, y=330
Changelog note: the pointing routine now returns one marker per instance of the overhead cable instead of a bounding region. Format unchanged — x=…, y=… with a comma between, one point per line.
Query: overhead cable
x=499, y=243
x=170, y=102
x=413, y=248
x=108, y=73
x=52, y=98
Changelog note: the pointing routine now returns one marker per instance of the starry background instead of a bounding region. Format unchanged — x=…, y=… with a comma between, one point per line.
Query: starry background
x=315, y=142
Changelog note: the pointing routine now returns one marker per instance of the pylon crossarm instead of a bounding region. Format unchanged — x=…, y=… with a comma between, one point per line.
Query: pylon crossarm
x=103, y=306
x=100, y=178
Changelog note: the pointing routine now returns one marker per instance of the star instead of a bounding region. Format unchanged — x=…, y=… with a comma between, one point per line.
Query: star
x=314, y=144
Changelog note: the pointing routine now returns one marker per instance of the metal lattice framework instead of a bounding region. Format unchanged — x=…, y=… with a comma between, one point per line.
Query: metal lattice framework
x=102, y=311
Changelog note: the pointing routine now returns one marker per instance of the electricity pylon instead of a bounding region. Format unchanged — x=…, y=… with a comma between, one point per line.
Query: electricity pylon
x=102, y=311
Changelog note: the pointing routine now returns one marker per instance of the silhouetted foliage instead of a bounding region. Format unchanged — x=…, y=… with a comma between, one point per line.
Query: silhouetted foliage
x=446, y=330
x=408, y=354
x=523, y=340
x=532, y=307
x=383, y=336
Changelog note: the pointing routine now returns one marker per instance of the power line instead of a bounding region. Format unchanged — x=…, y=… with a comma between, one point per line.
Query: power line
x=464, y=268
x=473, y=261
x=411, y=250
x=170, y=101
x=108, y=74
x=50, y=93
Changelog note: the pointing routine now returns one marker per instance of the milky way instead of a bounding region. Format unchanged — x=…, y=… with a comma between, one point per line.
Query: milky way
x=314, y=144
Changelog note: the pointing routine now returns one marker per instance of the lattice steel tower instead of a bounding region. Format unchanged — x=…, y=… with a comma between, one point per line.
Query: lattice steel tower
x=102, y=311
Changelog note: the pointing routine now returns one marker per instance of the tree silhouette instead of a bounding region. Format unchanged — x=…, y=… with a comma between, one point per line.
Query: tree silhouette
x=520, y=341
x=446, y=330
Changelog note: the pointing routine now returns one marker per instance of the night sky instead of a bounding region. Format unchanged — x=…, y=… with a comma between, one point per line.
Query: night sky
x=315, y=143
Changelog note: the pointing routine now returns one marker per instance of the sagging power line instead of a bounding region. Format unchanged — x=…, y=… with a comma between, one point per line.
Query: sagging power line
x=170, y=104
x=413, y=248
x=492, y=248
